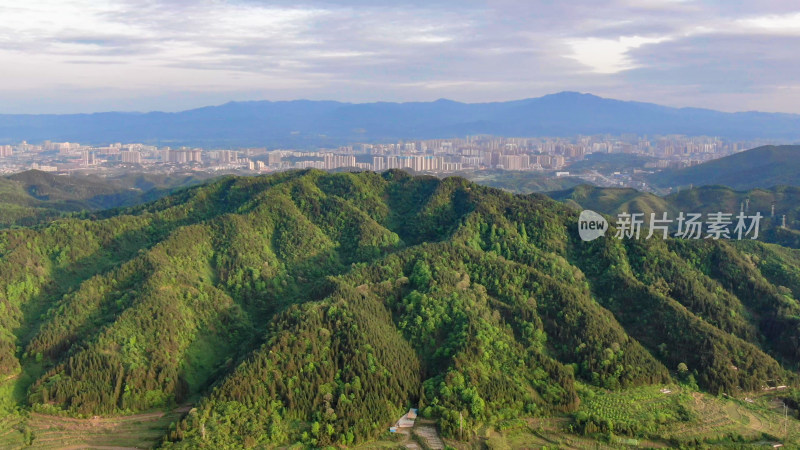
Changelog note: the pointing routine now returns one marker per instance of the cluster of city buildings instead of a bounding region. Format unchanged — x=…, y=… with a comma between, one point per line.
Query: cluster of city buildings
x=429, y=156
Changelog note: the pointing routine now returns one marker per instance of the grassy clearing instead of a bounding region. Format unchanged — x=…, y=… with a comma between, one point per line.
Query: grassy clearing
x=711, y=420
x=682, y=416
x=11, y=420
x=549, y=433
x=51, y=432
x=11, y=430
x=661, y=420
x=721, y=417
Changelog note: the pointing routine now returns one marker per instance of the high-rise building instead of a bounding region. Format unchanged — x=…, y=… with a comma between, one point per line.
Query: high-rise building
x=378, y=163
x=491, y=159
x=227, y=156
x=87, y=158
x=274, y=158
x=184, y=156
x=515, y=162
x=333, y=161
x=131, y=157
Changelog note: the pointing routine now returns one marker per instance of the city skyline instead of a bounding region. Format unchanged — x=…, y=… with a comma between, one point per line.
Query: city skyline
x=550, y=157
x=78, y=56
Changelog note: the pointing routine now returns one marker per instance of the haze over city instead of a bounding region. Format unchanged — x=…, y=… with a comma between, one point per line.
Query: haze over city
x=84, y=56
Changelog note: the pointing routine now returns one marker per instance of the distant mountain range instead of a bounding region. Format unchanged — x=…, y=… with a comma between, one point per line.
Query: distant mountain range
x=761, y=167
x=304, y=123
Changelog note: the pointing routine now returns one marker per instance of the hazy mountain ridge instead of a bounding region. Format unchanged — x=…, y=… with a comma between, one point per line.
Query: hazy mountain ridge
x=306, y=123
x=763, y=167
x=33, y=196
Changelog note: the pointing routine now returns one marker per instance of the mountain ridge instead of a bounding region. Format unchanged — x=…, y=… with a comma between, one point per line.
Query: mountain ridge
x=312, y=123
x=316, y=308
x=31, y=197
x=760, y=167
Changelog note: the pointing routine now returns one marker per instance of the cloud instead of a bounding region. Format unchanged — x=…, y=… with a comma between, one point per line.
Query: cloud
x=780, y=24
x=192, y=53
x=609, y=55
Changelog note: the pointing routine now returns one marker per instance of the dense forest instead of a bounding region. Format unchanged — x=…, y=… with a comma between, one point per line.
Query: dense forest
x=316, y=308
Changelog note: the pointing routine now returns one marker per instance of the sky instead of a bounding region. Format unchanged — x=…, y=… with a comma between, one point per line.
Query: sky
x=70, y=56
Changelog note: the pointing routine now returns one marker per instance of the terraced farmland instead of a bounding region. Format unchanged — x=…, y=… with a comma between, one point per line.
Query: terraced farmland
x=724, y=417
x=50, y=432
x=673, y=414
x=11, y=434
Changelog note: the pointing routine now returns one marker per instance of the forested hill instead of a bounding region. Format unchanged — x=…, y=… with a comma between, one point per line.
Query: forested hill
x=32, y=197
x=761, y=167
x=315, y=307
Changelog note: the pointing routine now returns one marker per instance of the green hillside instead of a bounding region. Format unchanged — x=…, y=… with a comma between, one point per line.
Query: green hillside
x=32, y=197
x=761, y=167
x=704, y=199
x=613, y=200
x=314, y=309
x=610, y=162
x=522, y=182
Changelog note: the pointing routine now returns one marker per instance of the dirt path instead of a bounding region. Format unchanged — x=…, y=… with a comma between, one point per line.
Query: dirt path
x=99, y=421
x=9, y=378
x=97, y=447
